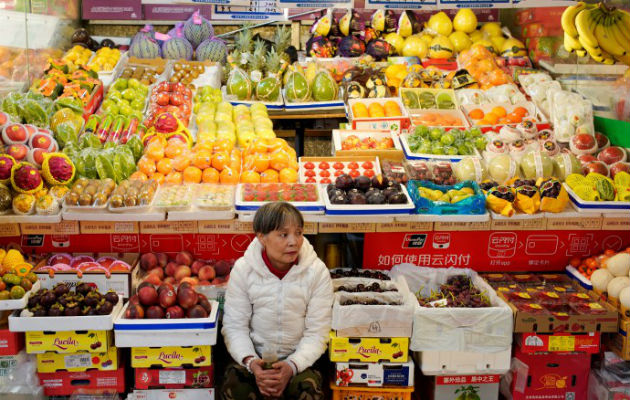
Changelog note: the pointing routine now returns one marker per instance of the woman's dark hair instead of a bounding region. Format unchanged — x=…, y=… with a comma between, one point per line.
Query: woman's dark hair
x=275, y=215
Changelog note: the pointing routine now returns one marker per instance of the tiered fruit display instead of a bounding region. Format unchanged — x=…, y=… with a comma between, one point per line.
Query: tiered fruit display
x=597, y=30
x=458, y=291
x=363, y=190
x=16, y=277
x=77, y=56
x=295, y=192
x=269, y=161
x=64, y=262
x=184, y=267
x=325, y=171
x=105, y=59
x=126, y=97
x=438, y=141
x=174, y=98
x=60, y=301
x=598, y=187
x=375, y=109
x=167, y=302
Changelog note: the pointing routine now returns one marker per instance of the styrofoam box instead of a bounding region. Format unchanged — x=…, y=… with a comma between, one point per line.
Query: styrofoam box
x=596, y=206
x=463, y=362
x=166, y=332
x=37, y=324
x=169, y=394
x=18, y=304
x=410, y=155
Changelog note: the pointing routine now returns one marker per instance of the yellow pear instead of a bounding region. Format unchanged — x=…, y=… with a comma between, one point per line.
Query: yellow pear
x=476, y=35
x=395, y=40
x=513, y=48
x=441, y=47
x=460, y=41
x=440, y=23
x=465, y=21
x=497, y=42
x=426, y=38
x=491, y=29
x=415, y=47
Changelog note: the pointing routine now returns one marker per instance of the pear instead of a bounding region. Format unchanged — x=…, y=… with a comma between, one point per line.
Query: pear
x=465, y=21
x=491, y=29
x=415, y=46
x=440, y=23
x=441, y=47
x=460, y=41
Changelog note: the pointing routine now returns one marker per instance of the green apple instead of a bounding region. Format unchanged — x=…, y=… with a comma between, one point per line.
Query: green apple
x=447, y=139
x=437, y=148
x=480, y=143
x=421, y=131
x=120, y=84
x=450, y=150
x=129, y=94
x=435, y=134
x=126, y=110
x=133, y=83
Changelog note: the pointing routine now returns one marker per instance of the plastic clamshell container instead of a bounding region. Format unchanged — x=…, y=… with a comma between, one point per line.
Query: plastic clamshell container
x=18, y=304
x=368, y=209
x=307, y=207
x=166, y=332
x=475, y=204
x=393, y=124
x=541, y=121
x=416, y=117
x=596, y=206
x=207, y=198
x=183, y=203
x=339, y=136
x=410, y=155
x=435, y=94
x=345, y=160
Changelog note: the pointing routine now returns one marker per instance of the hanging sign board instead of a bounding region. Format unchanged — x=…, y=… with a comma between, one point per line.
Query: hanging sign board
x=244, y=3
x=257, y=10
x=401, y=4
x=443, y=4
x=316, y=3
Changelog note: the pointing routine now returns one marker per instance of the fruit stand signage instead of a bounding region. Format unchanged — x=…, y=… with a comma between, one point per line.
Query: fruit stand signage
x=316, y=3
x=488, y=250
x=401, y=5
x=244, y=3
x=259, y=10
x=475, y=4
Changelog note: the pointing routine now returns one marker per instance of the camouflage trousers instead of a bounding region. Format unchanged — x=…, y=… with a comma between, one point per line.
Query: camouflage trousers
x=239, y=384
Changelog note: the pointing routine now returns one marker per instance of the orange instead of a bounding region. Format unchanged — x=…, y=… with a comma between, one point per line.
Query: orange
x=477, y=113
x=174, y=148
x=234, y=164
x=500, y=111
x=138, y=175
x=173, y=177
x=258, y=145
x=269, y=176
x=220, y=160
x=164, y=166
x=235, y=153
x=522, y=111
x=181, y=162
x=288, y=175
x=359, y=110
x=294, y=165
x=222, y=145
x=202, y=159
x=229, y=177
x=250, y=177
x=146, y=165
x=257, y=162
x=210, y=175
x=514, y=118
x=192, y=175
x=204, y=144
x=376, y=110
x=277, y=144
x=392, y=109
x=492, y=118
x=158, y=177
x=503, y=120
x=279, y=160
x=154, y=151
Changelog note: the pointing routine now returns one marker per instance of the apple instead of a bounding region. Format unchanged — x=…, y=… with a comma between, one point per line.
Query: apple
x=618, y=167
x=583, y=143
x=41, y=141
x=596, y=166
x=17, y=151
x=611, y=155
x=15, y=134
x=602, y=141
x=586, y=158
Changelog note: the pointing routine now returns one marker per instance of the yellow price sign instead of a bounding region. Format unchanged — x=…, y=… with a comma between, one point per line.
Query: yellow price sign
x=561, y=343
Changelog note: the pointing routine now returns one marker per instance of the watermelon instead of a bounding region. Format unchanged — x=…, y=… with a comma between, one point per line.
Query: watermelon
x=197, y=29
x=177, y=31
x=213, y=49
x=176, y=48
x=144, y=44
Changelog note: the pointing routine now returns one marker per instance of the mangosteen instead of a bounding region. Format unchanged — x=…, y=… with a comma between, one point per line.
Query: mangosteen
x=329, y=187
x=389, y=191
x=358, y=199
x=353, y=192
x=93, y=45
x=371, y=191
x=380, y=182
x=397, y=198
x=60, y=289
x=78, y=298
x=33, y=301
x=65, y=299
x=105, y=308
x=394, y=185
x=72, y=310
x=80, y=36
x=48, y=299
x=83, y=288
x=362, y=182
x=91, y=299
x=376, y=198
x=108, y=43
x=339, y=199
x=39, y=311
x=112, y=297
x=56, y=310
x=344, y=182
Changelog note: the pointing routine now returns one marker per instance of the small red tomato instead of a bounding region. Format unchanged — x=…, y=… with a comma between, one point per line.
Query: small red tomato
x=309, y=165
x=311, y=197
x=325, y=180
x=324, y=174
x=353, y=165
x=286, y=196
x=324, y=165
x=367, y=165
x=309, y=173
x=248, y=197
x=354, y=173
x=338, y=165
x=369, y=173
x=310, y=180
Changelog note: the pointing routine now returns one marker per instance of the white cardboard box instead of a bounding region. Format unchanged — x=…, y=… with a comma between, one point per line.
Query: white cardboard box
x=463, y=362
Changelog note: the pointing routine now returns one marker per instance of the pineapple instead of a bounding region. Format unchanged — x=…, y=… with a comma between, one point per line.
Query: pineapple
x=257, y=61
x=243, y=46
x=282, y=39
x=274, y=63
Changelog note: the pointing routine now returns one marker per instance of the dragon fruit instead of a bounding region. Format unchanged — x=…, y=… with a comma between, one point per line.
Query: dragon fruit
x=144, y=44
x=213, y=49
x=6, y=164
x=25, y=178
x=57, y=169
x=197, y=29
x=176, y=48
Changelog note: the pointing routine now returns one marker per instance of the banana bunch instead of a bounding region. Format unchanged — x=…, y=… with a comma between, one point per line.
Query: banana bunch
x=600, y=31
x=452, y=196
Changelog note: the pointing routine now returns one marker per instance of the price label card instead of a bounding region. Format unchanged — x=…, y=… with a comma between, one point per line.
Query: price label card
x=316, y=3
x=244, y=3
x=172, y=377
x=81, y=360
x=258, y=10
x=561, y=343
x=401, y=4
x=474, y=4
x=542, y=3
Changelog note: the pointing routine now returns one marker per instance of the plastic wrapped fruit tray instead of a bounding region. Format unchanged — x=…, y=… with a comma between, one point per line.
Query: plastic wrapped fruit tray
x=326, y=169
x=248, y=195
x=337, y=104
x=410, y=155
x=446, y=119
x=361, y=142
x=166, y=332
x=368, y=209
x=511, y=111
x=18, y=304
x=585, y=206
x=79, y=323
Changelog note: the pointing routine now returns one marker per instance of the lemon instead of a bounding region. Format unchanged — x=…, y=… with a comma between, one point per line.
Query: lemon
x=440, y=23
x=465, y=21
x=460, y=41
x=491, y=29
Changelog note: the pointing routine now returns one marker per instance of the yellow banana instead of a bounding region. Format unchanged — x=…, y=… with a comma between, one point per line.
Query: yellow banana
x=571, y=44
x=606, y=39
x=616, y=31
x=622, y=23
x=625, y=59
x=585, y=23
x=568, y=19
x=595, y=52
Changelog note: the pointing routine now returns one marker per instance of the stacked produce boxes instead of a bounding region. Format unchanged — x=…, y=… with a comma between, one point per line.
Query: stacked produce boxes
x=369, y=344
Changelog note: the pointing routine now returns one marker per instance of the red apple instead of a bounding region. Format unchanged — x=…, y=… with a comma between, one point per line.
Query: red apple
x=148, y=261
x=14, y=134
x=583, y=143
x=194, y=281
x=611, y=155
x=170, y=280
x=602, y=140
x=196, y=266
x=4, y=118
x=586, y=158
x=186, y=297
x=31, y=130
x=41, y=141
x=618, y=167
x=157, y=271
x=182, y=272
x=184, y=258
x=596, y=166
x=36, y=156
x=170, y=269
x=17, y=151
x=153, y=279
x=174, y=312
x=148, y=296
x=223, y=267
x=207, y=273
x=162, y=259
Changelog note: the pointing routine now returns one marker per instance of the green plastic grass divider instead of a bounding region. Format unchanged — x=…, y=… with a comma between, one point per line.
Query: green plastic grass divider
x=617, y=131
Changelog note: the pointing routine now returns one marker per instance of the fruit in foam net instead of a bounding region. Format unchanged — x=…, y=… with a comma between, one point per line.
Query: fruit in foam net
x=6, y=164
x=57, y=169
x=25, y=178
x=440, y=24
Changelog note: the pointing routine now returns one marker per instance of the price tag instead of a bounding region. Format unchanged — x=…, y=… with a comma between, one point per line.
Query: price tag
x=172, y=377
x=561, y=343
x=81, y=360
x=259, y=10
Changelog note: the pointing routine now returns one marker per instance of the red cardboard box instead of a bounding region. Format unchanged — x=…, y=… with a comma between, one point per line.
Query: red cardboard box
x=112, y=9
x=10, y=342
x=545, y=15
x=66, y=383
x=559, y=342
x=174, y=378
x=538, y=29
x=552, y=376
x=174, y=12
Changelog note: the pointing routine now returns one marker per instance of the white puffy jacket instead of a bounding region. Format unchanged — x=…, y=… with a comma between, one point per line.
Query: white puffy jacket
x=291, y=316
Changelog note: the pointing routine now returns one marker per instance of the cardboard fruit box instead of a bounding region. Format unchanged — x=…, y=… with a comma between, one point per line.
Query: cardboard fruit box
x=451, y=387
x=620, y=341
x=10, y=342
x=67, y=342
x=344, y=349
x=67, y=383
x=374, y=374
x=174, y=378
x=170, y=394
x=171, y=356
x=78, y=362
x=531, y=342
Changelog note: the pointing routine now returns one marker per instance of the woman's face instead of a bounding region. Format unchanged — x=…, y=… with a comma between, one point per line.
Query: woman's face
x=283, y=245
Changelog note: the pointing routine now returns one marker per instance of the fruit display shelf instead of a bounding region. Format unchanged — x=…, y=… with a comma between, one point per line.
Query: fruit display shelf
x=166, y=332
x=410, y=155
x=384, y=144
x=18, y=323
x=584, y=206
x=31, y=218
x=18, y=304
x=271, y=105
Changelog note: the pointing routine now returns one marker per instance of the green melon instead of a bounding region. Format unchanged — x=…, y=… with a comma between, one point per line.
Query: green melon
x=324, y=87
x=268, y=89
x=297, y=90
x=238, y=84
x=605, y=189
